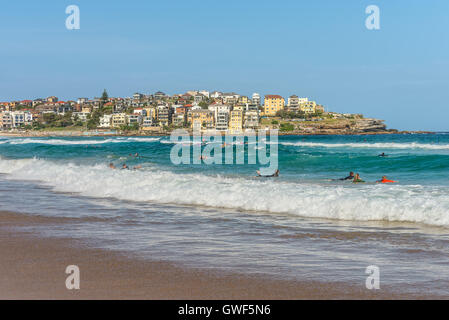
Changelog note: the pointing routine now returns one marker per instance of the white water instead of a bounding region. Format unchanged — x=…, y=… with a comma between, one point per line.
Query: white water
x=378, y=145
x=75, y=142
x=421, y=204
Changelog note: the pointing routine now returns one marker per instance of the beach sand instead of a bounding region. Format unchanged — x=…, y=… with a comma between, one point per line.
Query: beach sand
x=33, y=267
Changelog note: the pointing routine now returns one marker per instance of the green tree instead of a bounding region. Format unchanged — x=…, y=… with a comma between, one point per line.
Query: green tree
x=104, y=97
x=94, y=120
x=203, y=104
x=286, y=127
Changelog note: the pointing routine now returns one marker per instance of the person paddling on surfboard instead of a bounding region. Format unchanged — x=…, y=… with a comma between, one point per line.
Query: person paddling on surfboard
x=357, y=179
x=385, y=180
x=350, y=177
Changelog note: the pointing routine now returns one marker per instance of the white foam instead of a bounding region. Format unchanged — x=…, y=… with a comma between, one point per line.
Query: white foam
x=76, y=142
x=420, y=204
x=378, y=145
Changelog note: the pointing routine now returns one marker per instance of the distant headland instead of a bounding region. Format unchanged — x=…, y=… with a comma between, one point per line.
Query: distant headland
x=196, y=111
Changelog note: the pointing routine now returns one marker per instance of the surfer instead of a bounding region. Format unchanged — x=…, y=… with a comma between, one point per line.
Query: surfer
x=385, y=180
x=275, y=174
x=383, y=155
x=350, y=177
x=357, y=179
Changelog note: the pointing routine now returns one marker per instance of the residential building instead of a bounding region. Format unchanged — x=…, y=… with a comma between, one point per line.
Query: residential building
x=222, y=121
x=205, y=93
x=243, y=100
x=6, y=120
x=81, y=116
x=293, y=103
x=135, y=119
x=308, y=107
x=148, y=122
x=63, y=108
x=272, y=104
x=201, y=119
x=20, y=118
x=118, y=120
x=319, y=109
x=252, y=107
x=198, y=98
x=159, y=95
x=216, y=108
x=179, y=119
x=251, y=120
x=137, y=96
x=256, y=99
x=105, y=121
x=82, y=100
x=38, y=101
x=235, y=121
x=216, y=94
x=86, y=109
x=149, y=112
x=52, y=99
x=164, y=115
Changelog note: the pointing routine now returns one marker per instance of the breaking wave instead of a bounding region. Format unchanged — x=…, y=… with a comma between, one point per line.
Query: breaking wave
x=403, y=203
x=15, y=141
x=383, y=145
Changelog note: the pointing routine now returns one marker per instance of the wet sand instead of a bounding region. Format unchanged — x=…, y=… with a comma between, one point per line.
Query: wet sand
x=32, y=267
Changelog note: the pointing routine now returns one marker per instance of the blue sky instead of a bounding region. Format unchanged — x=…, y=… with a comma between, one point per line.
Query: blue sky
x=320, y=49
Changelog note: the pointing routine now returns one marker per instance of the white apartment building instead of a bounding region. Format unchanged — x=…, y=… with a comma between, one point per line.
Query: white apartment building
x=105, y=121
x=135, y=119
x=216, y=108
x=251, y=120
x=205, y=93
x=256, y=99
x=82, y=116
x=222, y=121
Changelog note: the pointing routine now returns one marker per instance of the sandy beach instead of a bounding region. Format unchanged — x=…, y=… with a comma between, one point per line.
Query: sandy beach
x=34, y=268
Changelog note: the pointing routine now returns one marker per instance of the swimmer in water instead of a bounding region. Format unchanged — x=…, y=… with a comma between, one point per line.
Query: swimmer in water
x=111, y=166
x=383, y=155
x=385, y=180
x=357, y=179
x=350, y=177
x=124, y=166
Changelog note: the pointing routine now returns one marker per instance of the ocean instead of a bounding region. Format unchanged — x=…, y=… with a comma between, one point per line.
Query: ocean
x=305, y=224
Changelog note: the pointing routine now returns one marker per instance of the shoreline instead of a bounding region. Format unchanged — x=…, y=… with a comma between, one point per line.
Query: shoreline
x=33, y=267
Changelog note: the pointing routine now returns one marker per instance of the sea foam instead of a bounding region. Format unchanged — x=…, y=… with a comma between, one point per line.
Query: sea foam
x=403, y=203
x=378, y=145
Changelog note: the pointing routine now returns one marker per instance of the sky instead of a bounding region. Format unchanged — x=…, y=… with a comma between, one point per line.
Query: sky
x=318, y=49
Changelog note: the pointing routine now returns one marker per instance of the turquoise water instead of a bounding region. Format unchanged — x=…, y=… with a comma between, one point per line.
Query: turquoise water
x=303, y=224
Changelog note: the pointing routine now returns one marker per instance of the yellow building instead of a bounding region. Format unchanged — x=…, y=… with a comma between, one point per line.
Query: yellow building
x=201, y=119
x=86, y=109
x=235, y=121
x=308, y=107
x=239, y=107
x=272, y=104
x=118, y=119
x=150, y=112
x=243, y=100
